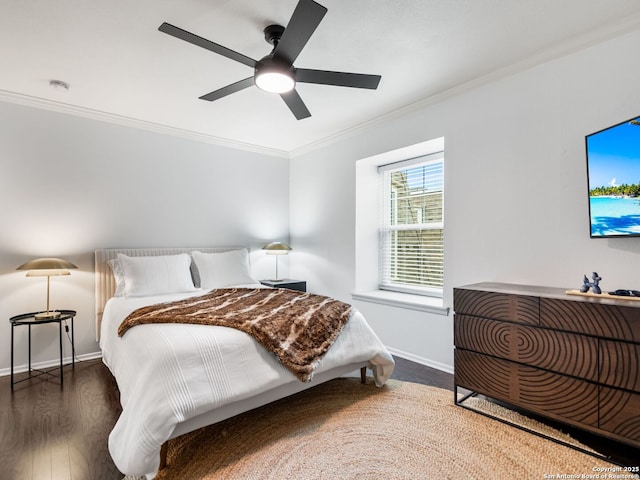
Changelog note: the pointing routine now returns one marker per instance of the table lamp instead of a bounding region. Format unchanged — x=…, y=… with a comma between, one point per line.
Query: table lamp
x=47, y=267
x=277, y=248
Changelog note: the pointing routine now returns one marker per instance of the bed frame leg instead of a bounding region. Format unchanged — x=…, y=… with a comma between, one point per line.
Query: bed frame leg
x=363, y=375
x=163, y=455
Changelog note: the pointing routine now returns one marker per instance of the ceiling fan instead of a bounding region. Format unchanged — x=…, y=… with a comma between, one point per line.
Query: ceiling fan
x=275, y=72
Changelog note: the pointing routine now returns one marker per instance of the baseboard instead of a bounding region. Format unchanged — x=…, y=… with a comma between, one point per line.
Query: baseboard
x=49, y=363
x=421, y=360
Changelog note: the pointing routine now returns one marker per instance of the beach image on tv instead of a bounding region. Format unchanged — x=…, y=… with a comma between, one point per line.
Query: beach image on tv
x=613, y=165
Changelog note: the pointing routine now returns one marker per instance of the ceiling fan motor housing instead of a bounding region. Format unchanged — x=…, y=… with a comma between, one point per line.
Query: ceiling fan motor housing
x=270, y=64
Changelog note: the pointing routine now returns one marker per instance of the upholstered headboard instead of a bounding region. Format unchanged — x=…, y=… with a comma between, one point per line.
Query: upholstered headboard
x=105, y=282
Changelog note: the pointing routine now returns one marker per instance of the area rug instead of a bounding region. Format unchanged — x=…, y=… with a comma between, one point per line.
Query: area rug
x=346, y=430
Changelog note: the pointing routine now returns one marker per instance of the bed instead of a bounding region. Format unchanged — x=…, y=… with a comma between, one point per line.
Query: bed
x=176, y=378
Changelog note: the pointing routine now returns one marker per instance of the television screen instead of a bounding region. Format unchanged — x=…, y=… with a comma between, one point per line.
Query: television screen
x=613, y=171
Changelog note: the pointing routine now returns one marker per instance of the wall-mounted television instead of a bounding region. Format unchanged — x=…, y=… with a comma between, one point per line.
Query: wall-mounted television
x=613, y=171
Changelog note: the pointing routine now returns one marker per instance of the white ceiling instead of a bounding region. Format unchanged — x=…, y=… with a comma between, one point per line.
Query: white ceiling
x=121, y=68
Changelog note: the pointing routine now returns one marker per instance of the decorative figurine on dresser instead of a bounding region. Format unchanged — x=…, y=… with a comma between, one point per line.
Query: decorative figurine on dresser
x=593, y=284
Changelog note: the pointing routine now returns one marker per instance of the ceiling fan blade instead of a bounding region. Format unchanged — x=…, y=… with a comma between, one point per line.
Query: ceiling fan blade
x=228, y=90
x=295, y=104
x=304, y=21
x=206, y=44
x=341, y=79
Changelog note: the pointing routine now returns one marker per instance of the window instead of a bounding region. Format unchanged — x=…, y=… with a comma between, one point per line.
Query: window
x=411, y=225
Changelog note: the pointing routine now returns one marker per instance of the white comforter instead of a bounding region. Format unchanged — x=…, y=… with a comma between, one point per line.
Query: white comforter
x=170, y=373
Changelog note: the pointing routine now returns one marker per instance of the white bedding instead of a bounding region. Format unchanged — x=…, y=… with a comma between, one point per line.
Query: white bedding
x=173, y=372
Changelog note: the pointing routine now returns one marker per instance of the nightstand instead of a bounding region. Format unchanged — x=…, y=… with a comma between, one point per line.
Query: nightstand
x=299, y=285
x=29, y=319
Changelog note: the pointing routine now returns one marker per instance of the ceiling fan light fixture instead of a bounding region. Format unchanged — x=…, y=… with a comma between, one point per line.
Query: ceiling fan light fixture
x=274, y=77
x=275, y=82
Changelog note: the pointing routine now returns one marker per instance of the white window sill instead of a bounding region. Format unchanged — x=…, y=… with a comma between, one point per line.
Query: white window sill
x=403, y=300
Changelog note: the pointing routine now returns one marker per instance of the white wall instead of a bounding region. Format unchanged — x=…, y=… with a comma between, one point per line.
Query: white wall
x=516, y=194
x=69, y=185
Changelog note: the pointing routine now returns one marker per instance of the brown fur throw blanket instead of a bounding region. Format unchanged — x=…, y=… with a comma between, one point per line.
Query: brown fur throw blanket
x=297, y=327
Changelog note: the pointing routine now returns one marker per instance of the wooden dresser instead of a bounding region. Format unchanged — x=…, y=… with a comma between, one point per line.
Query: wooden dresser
x=570, y=358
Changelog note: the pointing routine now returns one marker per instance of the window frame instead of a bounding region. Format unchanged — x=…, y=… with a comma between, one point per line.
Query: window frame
x=387, y=227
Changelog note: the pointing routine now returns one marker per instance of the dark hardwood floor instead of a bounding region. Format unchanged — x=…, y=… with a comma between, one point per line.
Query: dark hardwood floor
x=49, y=431
x=60, y=433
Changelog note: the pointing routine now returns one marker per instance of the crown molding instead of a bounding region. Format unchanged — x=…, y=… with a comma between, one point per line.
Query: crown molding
x=41, y=103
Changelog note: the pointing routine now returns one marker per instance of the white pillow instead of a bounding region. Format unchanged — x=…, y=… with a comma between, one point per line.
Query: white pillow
x=218, y=270
x=144, y=276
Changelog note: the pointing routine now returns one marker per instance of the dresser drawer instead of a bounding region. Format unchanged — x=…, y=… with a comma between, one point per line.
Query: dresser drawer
x=484, y=374
x=497, y=306
x=620, y=414
x=561, y=352
x=616, y=322
x=557, y=396
x=620, y=364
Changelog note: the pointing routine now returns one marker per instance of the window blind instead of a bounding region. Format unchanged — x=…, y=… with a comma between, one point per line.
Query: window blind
x=411, y=228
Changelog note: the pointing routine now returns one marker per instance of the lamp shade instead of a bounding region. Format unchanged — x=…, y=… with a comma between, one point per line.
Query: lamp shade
x=277, y=248
x=45, y=267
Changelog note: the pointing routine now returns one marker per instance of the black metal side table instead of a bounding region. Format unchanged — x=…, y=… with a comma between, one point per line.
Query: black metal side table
x=29, y=319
